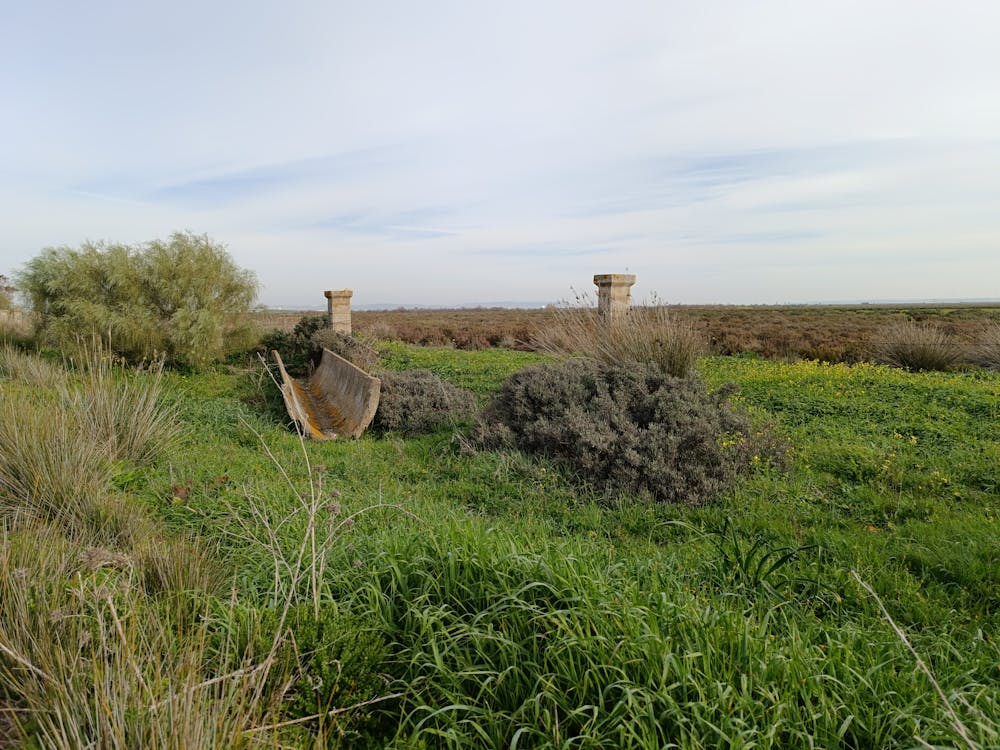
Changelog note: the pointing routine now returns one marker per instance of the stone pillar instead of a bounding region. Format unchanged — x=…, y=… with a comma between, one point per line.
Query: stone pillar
x=614, y=296
x=338, y=309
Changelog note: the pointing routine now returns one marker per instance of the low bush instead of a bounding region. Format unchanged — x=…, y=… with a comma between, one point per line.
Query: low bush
x=915, y=345
x=354, y=350
x=302, y=347
x=632, y=429
x=418, y=401
x=644, y=335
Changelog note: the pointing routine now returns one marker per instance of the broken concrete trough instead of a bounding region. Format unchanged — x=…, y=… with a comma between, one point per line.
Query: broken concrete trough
x=338, y=400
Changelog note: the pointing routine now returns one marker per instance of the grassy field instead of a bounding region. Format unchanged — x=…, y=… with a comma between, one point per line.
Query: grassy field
x=481, y=599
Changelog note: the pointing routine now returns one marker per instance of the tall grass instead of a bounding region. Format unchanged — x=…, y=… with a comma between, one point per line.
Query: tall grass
x=89, y=660
x=112, y=632
x=916, y=346
x=121, y=408
x=28, y=368
x=49, y=468
x=649, y=334
x=59, y=446
x=16, y=327
x=504, y=648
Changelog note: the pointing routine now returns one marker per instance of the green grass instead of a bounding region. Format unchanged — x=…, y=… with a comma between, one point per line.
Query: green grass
x=515, y=610
x=481, y=372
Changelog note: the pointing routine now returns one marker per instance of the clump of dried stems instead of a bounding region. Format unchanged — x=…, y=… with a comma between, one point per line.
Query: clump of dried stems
x=652, y=333
x=913, y=345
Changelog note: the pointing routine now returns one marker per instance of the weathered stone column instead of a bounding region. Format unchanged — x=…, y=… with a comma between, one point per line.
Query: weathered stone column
x=338, y=309
x=614, y=295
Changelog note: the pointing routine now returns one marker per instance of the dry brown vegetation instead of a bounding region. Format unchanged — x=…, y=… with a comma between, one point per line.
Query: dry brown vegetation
x=829, y=333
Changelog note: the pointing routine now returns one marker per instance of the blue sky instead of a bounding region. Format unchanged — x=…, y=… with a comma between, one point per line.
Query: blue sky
x=461, y=152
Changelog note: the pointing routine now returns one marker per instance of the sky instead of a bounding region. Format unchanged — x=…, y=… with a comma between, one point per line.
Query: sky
x=467, y=152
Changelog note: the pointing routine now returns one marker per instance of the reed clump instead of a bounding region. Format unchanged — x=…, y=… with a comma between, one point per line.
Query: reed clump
x=650, y=334
x=986, y=352
x=914, y=345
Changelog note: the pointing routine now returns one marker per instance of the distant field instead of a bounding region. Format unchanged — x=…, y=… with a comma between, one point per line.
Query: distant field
x=829, y=333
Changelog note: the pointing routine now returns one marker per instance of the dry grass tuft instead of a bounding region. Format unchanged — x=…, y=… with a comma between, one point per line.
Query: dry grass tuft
x=93, y=662
x=28, y=368
x=987, y=351
x=652, y=334
x=16, y=326
x=916, y=346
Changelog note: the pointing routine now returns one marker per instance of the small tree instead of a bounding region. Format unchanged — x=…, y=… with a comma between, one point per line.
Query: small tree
x=184, y=297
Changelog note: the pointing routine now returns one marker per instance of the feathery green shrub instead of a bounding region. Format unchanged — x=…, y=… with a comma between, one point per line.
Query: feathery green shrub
x=183, y=298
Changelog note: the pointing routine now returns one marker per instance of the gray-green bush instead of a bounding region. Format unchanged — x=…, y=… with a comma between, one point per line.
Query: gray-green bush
x=634, y=429
x=418, y=401
x=183, y=298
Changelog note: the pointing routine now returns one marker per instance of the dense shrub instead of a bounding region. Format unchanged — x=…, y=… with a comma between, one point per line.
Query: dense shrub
x=302, y=347
x=183, y=298
x=626, y=428
x=352, y=349
x=418, y=401
x=652, y=334
x=296, y=348
x=916, y=345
